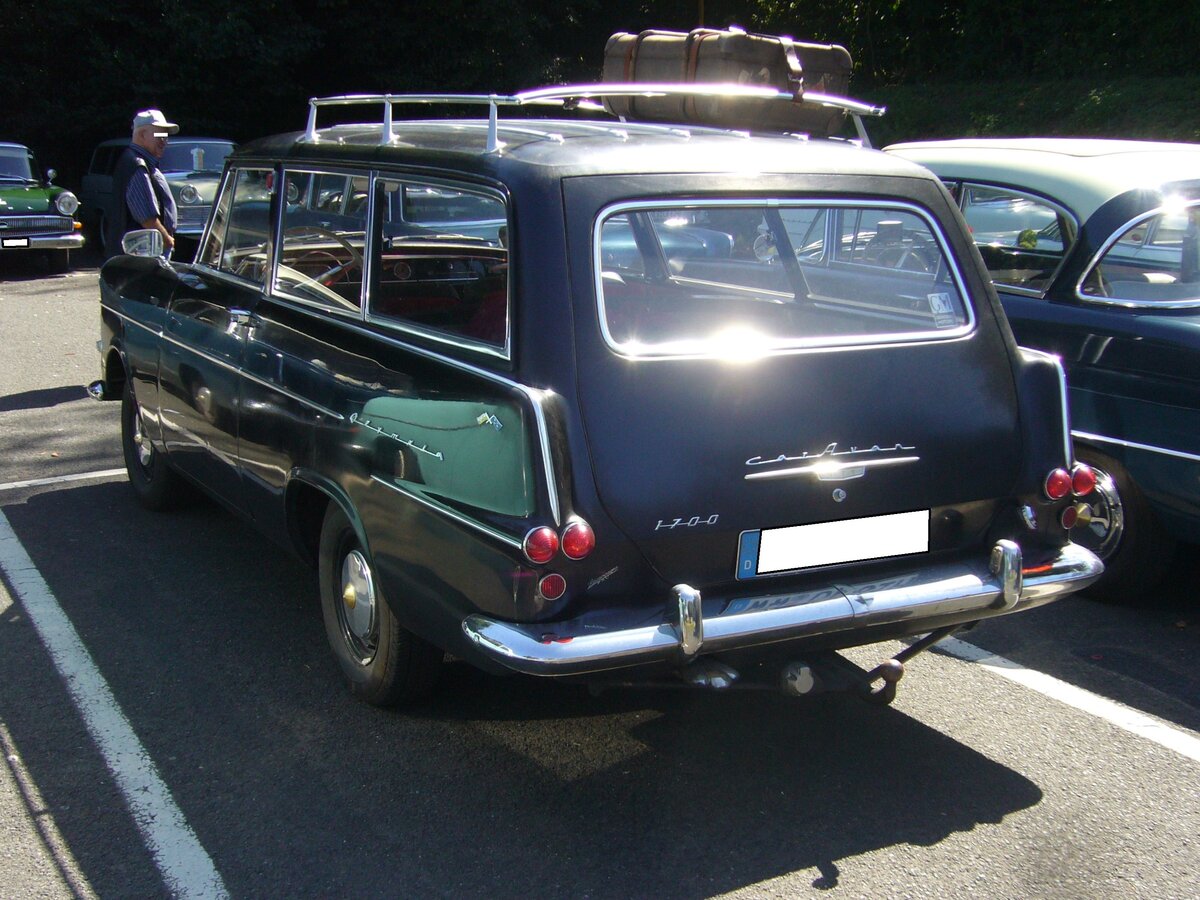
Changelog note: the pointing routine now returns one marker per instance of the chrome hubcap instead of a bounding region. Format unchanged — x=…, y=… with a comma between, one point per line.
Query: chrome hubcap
x=1102, y=532
x=357, y=609
x=145, y=450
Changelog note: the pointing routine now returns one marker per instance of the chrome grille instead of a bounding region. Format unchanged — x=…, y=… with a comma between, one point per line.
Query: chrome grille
x=25, y=225
x=193, y=215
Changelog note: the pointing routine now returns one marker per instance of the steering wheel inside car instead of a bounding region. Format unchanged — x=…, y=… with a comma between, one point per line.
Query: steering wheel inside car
x=338, y=271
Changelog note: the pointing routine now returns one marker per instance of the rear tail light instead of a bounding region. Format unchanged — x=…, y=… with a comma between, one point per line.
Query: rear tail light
x=1070, y=516
x=1058, y=484
x=578, y=540
x=1083, y=480
x=540, y=545
x=552, y=586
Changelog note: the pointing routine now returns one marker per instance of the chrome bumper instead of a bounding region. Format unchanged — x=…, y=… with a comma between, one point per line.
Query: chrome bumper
x=945, y=594
x=42, y=242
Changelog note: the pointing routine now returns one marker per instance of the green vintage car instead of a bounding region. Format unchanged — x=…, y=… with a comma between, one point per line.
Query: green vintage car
x=35, y=215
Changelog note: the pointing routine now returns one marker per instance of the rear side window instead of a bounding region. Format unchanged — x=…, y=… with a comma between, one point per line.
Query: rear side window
x=441, y=263
x=745, y=278
x=238, y=240
x=1022, y=238
x=1154, y=260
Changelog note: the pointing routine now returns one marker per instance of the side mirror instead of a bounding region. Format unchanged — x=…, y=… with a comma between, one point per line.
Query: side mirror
x=51, y=174
x=143, y=242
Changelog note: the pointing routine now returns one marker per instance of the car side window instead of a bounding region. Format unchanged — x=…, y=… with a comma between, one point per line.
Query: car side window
x=1156, y=258
x=323, y=239
x=441, y=264
x=238, y=241
x=1022, y=238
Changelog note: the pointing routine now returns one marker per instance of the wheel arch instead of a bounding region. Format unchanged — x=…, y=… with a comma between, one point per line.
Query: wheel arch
x=306, y=500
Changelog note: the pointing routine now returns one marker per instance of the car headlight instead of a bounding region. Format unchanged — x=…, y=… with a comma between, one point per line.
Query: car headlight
x=189, y=194
x=67, y=203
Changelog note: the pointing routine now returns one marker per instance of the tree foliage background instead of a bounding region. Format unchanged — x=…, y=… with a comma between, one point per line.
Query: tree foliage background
x=74, y=71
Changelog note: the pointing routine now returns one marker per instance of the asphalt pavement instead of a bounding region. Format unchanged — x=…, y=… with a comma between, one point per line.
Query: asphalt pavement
x=200, y=742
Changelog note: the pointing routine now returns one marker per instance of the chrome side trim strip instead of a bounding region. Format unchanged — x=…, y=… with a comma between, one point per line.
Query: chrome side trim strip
x=238, y=370
x=962, y=592
x=130, y=321
x=1134, y=445
x=449, y=513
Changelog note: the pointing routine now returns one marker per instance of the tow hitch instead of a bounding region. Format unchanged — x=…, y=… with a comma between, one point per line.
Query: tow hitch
x=828, y=671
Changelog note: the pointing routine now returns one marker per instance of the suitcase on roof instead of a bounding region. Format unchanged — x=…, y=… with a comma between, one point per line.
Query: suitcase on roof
x=713, y=55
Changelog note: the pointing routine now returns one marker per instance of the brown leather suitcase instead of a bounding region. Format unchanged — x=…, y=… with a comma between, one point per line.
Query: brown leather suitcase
x=712, y=55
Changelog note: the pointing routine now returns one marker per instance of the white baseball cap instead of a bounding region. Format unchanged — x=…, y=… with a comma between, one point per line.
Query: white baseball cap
x=157, y=119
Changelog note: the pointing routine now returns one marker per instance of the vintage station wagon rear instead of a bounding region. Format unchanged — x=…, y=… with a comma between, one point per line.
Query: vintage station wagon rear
x=603, y=399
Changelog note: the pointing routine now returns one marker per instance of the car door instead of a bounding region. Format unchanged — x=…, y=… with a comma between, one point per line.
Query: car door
x=207, y=327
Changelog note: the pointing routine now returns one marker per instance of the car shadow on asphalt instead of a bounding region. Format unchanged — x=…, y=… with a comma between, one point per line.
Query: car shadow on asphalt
x=212, y=642
x=42, y=398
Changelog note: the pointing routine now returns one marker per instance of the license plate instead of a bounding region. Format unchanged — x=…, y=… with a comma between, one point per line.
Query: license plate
x=772, y=551
x=14, y=243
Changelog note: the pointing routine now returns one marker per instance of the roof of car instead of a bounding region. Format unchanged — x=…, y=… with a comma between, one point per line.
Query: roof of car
x=1080, y=173
x=582, y=147
x=12, y=144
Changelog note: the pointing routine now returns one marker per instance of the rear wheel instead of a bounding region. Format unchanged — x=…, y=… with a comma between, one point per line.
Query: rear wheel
x=157, y=485
x=385, y=664
x=1123, y=532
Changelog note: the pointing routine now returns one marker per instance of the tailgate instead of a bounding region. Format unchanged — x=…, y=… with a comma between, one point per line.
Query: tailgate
x=819, y=394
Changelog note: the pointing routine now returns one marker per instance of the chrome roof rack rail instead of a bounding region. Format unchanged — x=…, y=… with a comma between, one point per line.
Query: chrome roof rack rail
x=584, y=96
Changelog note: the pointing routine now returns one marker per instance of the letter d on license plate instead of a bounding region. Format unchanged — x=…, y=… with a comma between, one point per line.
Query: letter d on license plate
x=775, y=550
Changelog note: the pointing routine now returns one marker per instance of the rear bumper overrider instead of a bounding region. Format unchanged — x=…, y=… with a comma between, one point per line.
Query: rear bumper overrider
x=940, y=595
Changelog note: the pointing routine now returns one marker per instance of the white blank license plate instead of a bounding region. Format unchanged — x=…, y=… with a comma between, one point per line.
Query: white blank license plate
x=775, y=550
x=15, y=242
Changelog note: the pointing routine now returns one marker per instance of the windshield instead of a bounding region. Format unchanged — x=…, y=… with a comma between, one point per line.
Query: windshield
x=17, y=164
x=735, y=278
x=195, y=156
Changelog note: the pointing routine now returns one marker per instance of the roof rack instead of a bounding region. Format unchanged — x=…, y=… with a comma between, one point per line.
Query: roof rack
x=583, y=96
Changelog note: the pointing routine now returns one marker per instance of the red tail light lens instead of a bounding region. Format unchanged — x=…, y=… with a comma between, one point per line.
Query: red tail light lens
x=1083, y=480
x=552, y=586
x=1058, y=484
x=540, y=545
x=1070, y=517
x=578, y=540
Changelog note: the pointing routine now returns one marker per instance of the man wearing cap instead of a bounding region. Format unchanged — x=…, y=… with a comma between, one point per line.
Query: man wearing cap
x=141, y=197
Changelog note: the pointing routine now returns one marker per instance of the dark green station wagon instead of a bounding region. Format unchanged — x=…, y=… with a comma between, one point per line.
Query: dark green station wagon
x=589, y=397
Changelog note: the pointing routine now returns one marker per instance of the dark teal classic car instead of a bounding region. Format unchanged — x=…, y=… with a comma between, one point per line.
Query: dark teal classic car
x=1094, y=247
x=601, y=399
x=35, y=215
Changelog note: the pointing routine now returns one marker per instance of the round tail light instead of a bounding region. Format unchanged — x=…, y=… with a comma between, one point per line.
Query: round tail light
x=1070, y=517
x=1083, y=480
x=578, y=540
x=552, y=586
x=1058, y=484
x=540, y=545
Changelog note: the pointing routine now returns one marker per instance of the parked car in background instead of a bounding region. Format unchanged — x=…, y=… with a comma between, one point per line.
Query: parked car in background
x=35, y=215
x=1094, y=248
x=192, y=167
x=597, y=398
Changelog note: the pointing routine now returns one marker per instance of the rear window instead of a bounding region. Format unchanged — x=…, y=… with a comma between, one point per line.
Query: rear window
x=738, y=278
x=1154, y=261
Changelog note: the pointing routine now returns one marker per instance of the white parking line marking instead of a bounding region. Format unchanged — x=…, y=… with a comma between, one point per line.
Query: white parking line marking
x=186, y=867
x=1109, y=710
x=60, y=479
